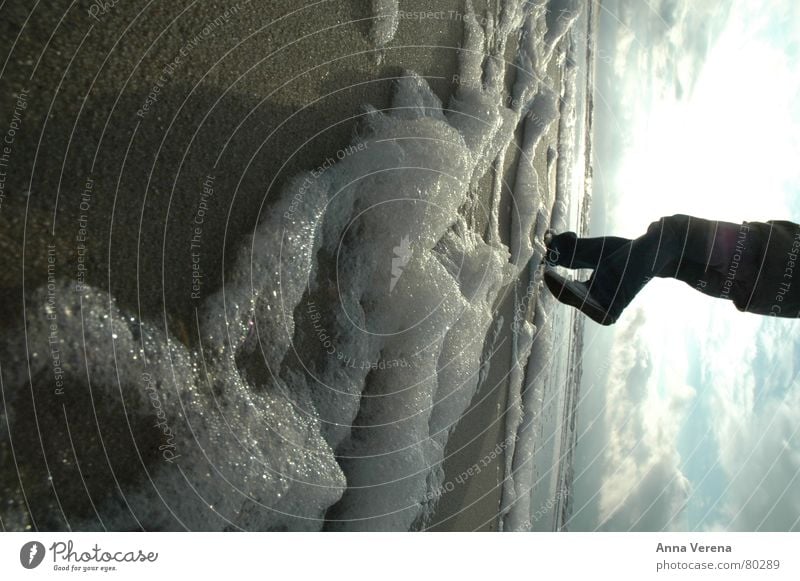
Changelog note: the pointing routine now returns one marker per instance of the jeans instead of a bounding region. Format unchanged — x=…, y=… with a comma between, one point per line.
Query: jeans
x=693, y=250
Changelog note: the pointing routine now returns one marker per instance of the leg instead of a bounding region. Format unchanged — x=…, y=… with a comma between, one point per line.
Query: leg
x=569, y=251
x=678, y=246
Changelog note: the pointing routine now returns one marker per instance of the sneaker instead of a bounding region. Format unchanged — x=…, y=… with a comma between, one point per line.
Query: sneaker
x=576, y=294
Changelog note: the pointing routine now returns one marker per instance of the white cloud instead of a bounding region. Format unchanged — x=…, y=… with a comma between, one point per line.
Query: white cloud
x=728, y=377
x=643, y=487
x=660, y=46
x=756, y=421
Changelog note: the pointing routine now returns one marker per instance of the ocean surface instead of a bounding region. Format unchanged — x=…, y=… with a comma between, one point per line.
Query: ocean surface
x=317, y=387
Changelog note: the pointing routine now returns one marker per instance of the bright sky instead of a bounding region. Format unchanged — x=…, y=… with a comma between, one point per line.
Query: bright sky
x=691, y=414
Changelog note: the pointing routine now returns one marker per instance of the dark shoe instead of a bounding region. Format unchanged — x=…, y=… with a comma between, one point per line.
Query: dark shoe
x=551, y=255
x=576, y=294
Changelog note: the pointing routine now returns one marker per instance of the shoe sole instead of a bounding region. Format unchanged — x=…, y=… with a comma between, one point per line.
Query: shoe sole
x=562, y=291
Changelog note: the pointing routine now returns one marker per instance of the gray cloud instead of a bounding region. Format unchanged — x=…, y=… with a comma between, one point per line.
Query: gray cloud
x=660, y=494
x=641, y=486
x=660, y=47
x=759, y=438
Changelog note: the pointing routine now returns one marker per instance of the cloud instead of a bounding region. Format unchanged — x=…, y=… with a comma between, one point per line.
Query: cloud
x=661, y=46
x=755, y=396
x=764, y=491
x=642, y=487
x=741, y=448
x=648, y=52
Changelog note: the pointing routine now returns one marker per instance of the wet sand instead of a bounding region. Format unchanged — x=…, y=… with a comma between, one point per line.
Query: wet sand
x=475, y=455
x=148, y=105
x=130, y=115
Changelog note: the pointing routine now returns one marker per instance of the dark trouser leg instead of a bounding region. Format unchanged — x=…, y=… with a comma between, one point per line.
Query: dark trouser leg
x=676, y=246
x=574, y=252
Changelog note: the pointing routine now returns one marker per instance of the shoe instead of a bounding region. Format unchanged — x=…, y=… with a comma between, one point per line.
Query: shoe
x=551, y=255
x=576, y=294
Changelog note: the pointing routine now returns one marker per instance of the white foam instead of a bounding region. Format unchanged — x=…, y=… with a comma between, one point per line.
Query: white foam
x=434, y=318
x=221, y=442
x=386, y=19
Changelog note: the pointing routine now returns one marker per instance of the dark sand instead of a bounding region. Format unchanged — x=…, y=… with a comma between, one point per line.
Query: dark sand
x=279, y=86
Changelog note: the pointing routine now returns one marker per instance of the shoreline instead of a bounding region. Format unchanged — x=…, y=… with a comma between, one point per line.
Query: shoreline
x=477, y=446
x=217, y=146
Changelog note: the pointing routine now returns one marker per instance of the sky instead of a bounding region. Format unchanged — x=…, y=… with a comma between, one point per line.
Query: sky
x=690, y=410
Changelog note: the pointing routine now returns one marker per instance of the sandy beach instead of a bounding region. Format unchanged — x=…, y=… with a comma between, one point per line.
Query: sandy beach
x=153, y=142
x=271, y=90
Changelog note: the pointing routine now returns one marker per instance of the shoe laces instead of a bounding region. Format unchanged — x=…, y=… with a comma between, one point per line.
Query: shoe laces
x=551, y=257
